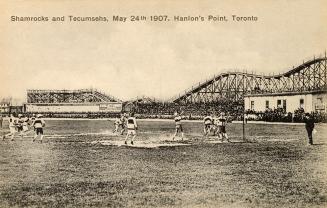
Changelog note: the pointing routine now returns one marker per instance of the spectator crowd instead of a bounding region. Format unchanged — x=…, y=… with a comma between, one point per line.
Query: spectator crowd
x=280, y=115
x=196, y=111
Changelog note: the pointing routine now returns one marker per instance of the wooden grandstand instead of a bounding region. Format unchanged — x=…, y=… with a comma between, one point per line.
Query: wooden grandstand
x=69, y=96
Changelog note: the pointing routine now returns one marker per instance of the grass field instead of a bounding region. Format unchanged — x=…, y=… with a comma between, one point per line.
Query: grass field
x=82, y=164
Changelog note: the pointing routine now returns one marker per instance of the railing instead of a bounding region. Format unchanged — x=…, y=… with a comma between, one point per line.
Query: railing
x=59, y=91
x=190, y=89
x=106, y=96
x=304, y=61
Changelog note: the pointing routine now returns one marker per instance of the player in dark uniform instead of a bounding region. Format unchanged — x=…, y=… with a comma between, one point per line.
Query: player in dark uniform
x=122, y=123
x=39, y=124
x=1, y=120
x=20, y=123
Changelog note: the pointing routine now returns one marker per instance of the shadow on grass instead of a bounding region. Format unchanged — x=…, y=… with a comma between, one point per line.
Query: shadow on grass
x=319, y=144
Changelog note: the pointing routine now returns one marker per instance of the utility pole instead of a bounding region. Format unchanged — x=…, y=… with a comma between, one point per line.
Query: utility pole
x=243, y=122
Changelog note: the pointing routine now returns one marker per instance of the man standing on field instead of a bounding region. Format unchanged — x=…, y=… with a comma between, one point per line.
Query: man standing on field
x=309, y=126
x=222, y=127
x=178, y=125
x=131, y=128
x=38, y=125
x=1, y=120
x=20, y=122
x=116, y=123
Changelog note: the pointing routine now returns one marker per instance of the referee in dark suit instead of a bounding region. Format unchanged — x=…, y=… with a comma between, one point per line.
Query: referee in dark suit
x=309, y=126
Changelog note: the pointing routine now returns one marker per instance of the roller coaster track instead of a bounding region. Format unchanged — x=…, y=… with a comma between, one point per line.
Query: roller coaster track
x=307, y=77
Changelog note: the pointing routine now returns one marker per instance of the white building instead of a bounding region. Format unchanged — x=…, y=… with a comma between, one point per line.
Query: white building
x=290, y=101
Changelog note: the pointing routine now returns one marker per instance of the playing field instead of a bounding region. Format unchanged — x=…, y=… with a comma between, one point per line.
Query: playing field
x=82, y=164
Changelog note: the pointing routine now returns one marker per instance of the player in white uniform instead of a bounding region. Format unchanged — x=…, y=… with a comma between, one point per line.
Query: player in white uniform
x=215, y=122
x=222, y=127
x=131, y=128
x=12, y=127
x=207, y=121
x=178, y=125
x=117, y=124
x=25, y=125
x=38, y=124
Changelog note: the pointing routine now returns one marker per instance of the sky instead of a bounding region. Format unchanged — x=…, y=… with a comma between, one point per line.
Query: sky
x=155, y=59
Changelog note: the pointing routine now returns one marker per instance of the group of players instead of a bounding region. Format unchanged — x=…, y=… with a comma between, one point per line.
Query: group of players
x=128, y=122
x=212, y=124
x=22, y=126
x=216, y=125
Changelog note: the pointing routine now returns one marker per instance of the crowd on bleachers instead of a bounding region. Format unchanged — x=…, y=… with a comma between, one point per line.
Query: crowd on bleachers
x=233, y=110
x=189, y=111
x=280, y=115
x=197, y=111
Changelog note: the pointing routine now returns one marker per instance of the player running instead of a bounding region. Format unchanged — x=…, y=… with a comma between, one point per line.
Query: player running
x=208, y=122
x=131, y=128
x=178, y=125
x=222, y=127
x=12, y=127
x=38, y=124
x=19, y=124
x=32, y=120
x=25, y=124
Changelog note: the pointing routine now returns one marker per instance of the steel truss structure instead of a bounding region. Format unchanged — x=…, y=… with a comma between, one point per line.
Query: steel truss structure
x=68, y=96
x=232, y=86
